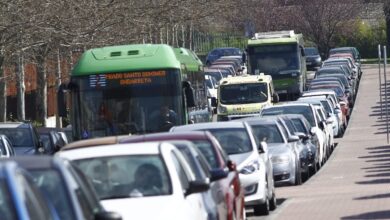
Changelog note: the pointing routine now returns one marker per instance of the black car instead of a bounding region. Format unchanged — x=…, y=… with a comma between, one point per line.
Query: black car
x=51, y=139
x=66, y=187
x=313, y=58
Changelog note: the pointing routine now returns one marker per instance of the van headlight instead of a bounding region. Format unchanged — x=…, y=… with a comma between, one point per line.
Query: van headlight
x=280, y=159
x=251, y=167
x=222, y=109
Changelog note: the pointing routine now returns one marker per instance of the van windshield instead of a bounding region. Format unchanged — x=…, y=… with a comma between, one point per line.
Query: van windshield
x=244, y=93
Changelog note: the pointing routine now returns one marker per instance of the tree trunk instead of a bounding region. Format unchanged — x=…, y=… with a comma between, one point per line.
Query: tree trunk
x=42, y=88
x=3, y=91
x=58, y=83
x=20, y=93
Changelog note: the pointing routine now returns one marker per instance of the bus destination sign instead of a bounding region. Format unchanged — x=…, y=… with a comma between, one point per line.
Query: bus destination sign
x=134, y=78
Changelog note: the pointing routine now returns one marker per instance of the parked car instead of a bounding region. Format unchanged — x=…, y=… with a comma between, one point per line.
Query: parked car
x=66, y=187
x=131, y=179
x=24, y=137
x=6, y=148
x=281, y=147
x=51, y=139
x=352, y=50
x=311, y=140
x=20, y=198
x=309, y=112
x=223, y=171
x=223, y=51
x=313, y=58
x=253, y=161
x=330, y=112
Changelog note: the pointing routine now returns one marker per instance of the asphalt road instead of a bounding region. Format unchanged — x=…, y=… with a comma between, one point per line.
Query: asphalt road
x=354, y=183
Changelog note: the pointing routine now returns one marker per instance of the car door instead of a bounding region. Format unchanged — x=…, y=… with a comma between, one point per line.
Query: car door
x=193, y=202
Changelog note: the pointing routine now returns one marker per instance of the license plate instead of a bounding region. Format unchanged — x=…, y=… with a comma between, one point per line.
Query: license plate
x=282, y=91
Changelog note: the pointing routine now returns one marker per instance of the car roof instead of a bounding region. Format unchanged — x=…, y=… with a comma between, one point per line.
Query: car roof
x=92, y=142
x=261, y=120
x=33, y=162
x=166, y=136
x=14, y=125
x=146, y=148
x=210, y=125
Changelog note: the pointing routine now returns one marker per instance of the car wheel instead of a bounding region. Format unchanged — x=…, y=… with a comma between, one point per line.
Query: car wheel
x=262, y=209
x=272, y=201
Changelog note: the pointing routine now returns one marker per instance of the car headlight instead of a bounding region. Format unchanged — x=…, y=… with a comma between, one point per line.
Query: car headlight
x=222, y=109
x=251, y=167
x=280, y=159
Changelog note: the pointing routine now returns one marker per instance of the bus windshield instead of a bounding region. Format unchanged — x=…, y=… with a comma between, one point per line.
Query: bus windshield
x=244, y=93
x=126, y=103
x=274, y=59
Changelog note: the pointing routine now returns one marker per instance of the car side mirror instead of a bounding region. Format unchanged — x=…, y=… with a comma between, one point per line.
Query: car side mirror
x=302, y=136
x=107, y=216
x=217, y=174
x=263, y=147
x=321, y=125
x=329, y=121
x=197, y=186
x=293, y=138
x=231, y=165
x=275, y=97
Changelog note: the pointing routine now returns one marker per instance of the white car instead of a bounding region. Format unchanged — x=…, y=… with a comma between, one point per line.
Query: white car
x=253, y=162
x=328, y=129
x=142, y=180
x=330, y=111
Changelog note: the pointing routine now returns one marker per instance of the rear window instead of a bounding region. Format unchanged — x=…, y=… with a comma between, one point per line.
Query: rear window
x=234, y=140
x=20, y=137
x=267, y=133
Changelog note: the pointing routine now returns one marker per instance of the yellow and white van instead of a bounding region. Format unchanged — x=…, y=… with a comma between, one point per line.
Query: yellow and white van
x=244, y=96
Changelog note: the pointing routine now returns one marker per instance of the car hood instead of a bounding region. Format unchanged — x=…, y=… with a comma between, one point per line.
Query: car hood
x=24, y=150
x=278, y=149
x=241, y=159
x=158, y=207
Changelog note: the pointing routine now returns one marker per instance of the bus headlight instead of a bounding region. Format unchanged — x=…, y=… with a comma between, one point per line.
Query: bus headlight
x=222, y=109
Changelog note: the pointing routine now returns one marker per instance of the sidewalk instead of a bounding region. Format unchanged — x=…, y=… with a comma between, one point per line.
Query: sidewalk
x=355, y=182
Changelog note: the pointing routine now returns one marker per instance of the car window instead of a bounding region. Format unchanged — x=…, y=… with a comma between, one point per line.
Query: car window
x=268, y=133
x=299, y=125
x=20, y=137
x=234, y=140
x=184, y=180
x=3, y=148
x=208, y=152
x=290, y=126
x=194, y=165
x=50, y=182
x=7, y=211
x=36, y=205
x=127, y=176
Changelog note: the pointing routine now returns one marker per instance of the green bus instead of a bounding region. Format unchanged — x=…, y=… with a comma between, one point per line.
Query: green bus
x=134, y=89
x=281, y=55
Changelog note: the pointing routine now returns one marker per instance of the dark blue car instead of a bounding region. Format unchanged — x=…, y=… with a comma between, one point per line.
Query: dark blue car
x=222, y=51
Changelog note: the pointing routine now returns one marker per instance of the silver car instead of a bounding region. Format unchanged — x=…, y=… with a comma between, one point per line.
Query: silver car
x=282, y=148
x=253, y=161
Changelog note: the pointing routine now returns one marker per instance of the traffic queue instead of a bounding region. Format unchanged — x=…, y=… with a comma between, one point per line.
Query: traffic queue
x=213, y=170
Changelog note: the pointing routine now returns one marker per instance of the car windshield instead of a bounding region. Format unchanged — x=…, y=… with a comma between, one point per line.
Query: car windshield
x=267, y=132
x=20, y=137
x=50, y=182
x=301, y=110
x=244, y=93
x=233, y=140
x=299, y=125
x=7, y=211
x=208, y=152
x=127, y=176
x=311, y=51
x=326, y=106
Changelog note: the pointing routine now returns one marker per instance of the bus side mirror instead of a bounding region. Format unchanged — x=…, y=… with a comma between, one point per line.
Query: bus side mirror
x=189, y=94
x=275, y=97
x=214, y=102
x=61, y=101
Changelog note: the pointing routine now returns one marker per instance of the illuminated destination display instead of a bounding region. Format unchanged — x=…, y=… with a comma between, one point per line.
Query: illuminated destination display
x=123, y=79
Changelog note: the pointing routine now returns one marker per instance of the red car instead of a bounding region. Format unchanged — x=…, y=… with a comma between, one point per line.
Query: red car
x=231, y=205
